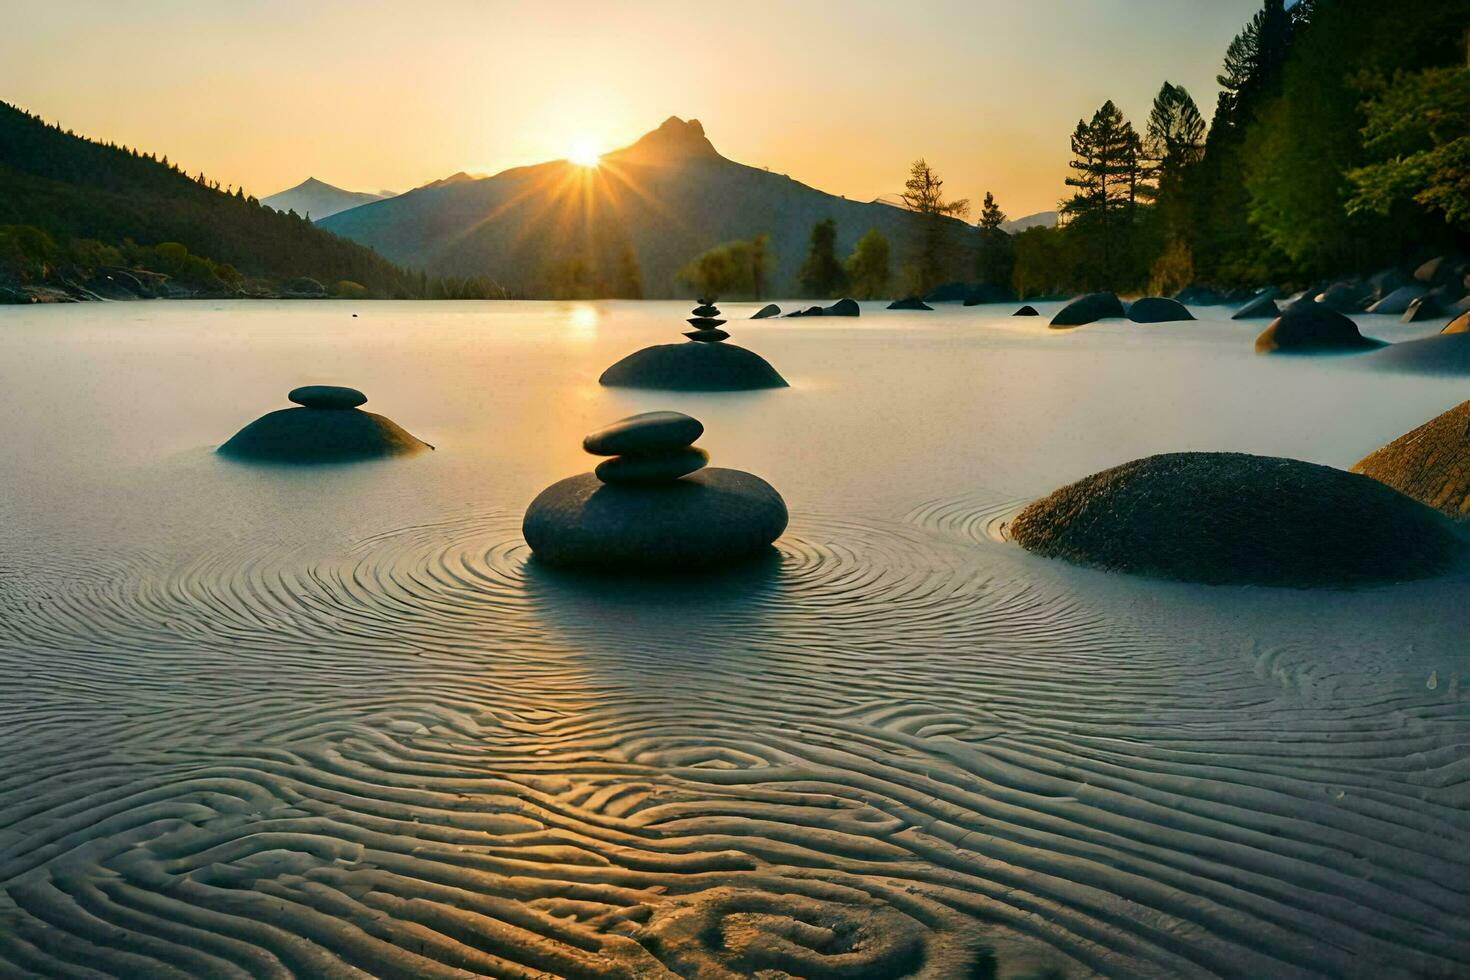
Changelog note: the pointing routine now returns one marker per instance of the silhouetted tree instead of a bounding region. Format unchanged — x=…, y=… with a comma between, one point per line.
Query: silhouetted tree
x=995, y=258
x=821, y=275
x=924, y=194
x=1111, y=180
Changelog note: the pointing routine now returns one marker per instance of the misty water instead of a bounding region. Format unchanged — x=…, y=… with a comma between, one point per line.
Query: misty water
x=334, y=721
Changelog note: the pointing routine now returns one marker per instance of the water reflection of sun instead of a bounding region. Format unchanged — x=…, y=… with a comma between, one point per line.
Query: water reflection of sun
x=582, y=322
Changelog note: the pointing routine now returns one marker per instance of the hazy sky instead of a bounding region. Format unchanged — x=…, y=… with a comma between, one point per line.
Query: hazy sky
x=840, y=95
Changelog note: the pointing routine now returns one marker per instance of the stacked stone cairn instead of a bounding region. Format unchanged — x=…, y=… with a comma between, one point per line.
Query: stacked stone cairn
x=655, y=447
x=706, y=323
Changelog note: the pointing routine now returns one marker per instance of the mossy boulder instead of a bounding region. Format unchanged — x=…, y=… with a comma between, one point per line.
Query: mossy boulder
x=1234, y=518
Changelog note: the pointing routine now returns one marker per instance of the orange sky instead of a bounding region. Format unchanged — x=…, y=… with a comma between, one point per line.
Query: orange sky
x=371, y=95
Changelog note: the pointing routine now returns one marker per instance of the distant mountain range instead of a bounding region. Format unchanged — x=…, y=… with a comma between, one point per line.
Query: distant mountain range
x=660, y=202
x=1041, y=219
x=318, y=199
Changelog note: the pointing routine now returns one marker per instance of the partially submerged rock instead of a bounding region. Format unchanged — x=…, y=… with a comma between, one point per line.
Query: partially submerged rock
x=1026, y=311
x=843, y=307
x=1430, y=464
x=1087, y=309
x=1158, y=309
x=1344, y=297
x=1260, y=307
x=1424, y=308
x=1397, y=302
x=706, y=363
x=1309, y=328
x=1443, y=353
x=909, y=303
x=770, y=309
x=1460, y=324
x=1233, y=518
x=329, y=428
x=654, y=506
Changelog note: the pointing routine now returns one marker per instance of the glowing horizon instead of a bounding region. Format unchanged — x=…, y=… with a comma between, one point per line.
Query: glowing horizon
x=840, y=97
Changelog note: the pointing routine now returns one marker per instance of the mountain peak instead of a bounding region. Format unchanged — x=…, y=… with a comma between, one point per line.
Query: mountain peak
x=675, y=139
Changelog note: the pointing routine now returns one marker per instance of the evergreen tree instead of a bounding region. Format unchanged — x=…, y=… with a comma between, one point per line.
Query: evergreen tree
x=991, y=216
x=868, y=266
x=995, y=258
x=924, y=194
x=821, y=275
x=1111, y=180
x=1174, y=145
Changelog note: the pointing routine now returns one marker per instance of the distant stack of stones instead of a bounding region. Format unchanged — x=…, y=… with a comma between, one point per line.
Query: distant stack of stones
x=328, y=427
x=706, y=323
x=652, y=505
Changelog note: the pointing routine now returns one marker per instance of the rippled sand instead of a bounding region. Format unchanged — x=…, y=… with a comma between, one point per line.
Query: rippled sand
x=334, y=722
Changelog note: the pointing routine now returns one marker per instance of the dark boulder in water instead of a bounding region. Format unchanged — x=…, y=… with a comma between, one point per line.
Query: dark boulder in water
x=1397, y=302
x=1423, y=308
x=1442, y=270
x=1237, y=519
x=712, y=518
x=843, y=307
x=1344, y=297
x=1308, y=328
x=1086, y=309
x=693, y=367
x=1026, y=311
x=326, y=396
x=909, y=303
x=316, y=435
x=1261, y=307
x=1430, y=464
x=1444, y=353
x=770, y=309
x=1158, y=309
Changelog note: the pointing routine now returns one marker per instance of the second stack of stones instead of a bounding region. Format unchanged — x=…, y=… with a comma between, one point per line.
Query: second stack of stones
x=706, y=323
x=652, y=448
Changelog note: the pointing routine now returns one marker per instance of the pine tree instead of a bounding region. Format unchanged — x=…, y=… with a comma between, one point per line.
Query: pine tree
x=821, y=275
x=924, y=194
x=1111, y=181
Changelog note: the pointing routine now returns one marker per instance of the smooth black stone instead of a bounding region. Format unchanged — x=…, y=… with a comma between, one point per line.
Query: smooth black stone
x=1344, y=297
x=704, y=322
x=1260, y=308
x=1423, y=308
x=707, y=336
x=1158, y=309
x=1026, y=311
x=693, y=367
x=1086, y=309
x=310, y=435
x=652, y=467
x=843, y=307
x=705, y=311
x=1309, y=327
x=327, y=396
x=712, y=518
x=649, y=432
x=1233, y=518
x=909, y=303
x=809, y=311
x=1397, y=302
x=770, y=309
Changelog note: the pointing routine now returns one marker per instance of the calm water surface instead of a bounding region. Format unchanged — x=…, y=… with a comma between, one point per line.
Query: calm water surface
x=270, y=722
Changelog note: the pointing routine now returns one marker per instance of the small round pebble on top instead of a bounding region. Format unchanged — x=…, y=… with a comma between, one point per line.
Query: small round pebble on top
x=327, y=396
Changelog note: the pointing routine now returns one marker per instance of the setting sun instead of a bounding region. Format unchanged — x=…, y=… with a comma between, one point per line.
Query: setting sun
x=585, y=152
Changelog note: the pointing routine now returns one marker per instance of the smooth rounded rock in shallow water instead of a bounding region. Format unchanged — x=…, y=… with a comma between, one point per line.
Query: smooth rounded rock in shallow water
x=1311, y=328
x=1442, y=354
x=706, y=310
x=693, y=367
x=704, y=322
x=1158, y=309
x=1026, y=311
x=1086, y=309
x=712, y=518
x=843, y=307
x=653, y=467
x=1237, y=519
x=710, y=336
x=1262, y=307
x=1423, y=308
x=1397, y=302
x=311, y=435
x=909, y=303
x=327, y=396
x=648, y=432
x=1430, y=464
x=769, y=310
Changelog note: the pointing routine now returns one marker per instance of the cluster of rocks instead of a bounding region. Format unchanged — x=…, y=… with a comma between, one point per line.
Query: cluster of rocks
x=1438, y=287
x=328, y=427
x=705, y=363
x=843, y=307
x=652, y=505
